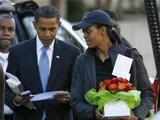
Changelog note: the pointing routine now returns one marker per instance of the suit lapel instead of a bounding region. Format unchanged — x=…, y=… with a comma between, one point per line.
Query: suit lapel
x=55, y=66
x=34, y=66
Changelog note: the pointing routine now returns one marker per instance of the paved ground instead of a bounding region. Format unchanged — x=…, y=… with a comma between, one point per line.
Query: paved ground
x=135, y=29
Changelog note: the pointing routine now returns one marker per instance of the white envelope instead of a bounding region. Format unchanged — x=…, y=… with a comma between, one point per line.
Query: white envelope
x=116, y=109
x=47, y=95
x=122, y=66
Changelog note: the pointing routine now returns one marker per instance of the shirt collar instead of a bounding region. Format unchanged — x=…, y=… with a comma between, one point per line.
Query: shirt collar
x=4, y=56
x=40, y=44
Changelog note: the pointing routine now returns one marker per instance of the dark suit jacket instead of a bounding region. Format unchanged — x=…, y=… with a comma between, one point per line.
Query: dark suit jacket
x=84, y=78
x=22, y=62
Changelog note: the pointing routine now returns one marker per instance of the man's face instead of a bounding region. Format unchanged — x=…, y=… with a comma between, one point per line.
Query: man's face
x=7, y=32
x=93, y=36
x=47, y=29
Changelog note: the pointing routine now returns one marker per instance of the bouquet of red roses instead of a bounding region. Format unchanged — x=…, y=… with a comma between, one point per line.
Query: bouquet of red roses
x=113, y=91
x=116, y=85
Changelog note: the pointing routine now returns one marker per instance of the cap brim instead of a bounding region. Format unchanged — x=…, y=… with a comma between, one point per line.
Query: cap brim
x=81, y=25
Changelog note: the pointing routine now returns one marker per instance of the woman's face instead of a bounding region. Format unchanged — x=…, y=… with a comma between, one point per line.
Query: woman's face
x=93, y=36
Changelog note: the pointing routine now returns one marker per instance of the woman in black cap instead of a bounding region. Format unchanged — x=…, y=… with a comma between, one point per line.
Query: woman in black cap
x=96, y=64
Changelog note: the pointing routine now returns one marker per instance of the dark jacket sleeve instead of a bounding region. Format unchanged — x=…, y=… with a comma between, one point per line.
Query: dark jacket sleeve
x=140, y=79
x=83, y=110
x=12, y=68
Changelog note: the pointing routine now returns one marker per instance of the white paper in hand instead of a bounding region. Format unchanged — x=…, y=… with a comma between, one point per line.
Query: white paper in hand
x=122, y=66
x=47, y=95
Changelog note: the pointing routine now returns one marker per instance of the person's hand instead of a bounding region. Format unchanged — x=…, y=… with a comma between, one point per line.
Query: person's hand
x=22, y=99
x=99, y=116
x=63, y=97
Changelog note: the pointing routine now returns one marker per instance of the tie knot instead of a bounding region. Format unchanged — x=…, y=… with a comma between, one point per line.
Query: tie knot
x=44, y=49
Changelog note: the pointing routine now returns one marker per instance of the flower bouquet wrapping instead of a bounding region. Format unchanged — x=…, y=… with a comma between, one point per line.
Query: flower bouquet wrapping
x=114, y=98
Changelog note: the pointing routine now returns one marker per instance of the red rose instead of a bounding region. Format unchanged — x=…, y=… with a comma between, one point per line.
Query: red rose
x=116, y=84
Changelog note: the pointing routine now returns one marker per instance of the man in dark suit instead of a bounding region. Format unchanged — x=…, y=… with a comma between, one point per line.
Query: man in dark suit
x=7, y=34
x=43, y=64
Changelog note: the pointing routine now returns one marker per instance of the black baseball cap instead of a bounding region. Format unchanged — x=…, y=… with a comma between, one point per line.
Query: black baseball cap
x=94, y=17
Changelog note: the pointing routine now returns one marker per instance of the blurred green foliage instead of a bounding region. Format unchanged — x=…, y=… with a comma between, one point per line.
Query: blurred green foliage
x=75, y=10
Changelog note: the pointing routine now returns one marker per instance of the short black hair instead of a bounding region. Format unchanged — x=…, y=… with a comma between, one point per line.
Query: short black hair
x=6, y=15
x=46, y=11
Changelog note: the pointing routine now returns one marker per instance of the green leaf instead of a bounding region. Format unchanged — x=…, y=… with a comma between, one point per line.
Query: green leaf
x=102, y=97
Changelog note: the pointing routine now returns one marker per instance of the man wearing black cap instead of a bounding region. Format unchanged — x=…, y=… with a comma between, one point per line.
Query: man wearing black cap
x=96, y=64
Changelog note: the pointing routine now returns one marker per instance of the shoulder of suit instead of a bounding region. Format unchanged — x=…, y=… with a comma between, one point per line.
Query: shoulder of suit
x=22, y=45
x=83, y=57
x=67, y=46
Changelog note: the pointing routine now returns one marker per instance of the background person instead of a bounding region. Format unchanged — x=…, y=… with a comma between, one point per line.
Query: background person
x=7, y=35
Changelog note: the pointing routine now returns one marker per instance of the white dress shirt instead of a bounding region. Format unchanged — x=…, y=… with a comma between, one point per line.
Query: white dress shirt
x=4, y=60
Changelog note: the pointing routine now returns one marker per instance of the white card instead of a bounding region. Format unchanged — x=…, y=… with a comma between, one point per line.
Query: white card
x=116, y=109
x=122, y=66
